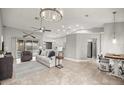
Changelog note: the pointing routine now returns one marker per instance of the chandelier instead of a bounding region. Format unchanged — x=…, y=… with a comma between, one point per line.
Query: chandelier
x=51, y=14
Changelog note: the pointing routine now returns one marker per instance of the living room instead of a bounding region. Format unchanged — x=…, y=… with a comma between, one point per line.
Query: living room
x=62, y=43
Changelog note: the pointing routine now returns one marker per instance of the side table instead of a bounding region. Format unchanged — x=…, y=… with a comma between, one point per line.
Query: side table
x=58, y=62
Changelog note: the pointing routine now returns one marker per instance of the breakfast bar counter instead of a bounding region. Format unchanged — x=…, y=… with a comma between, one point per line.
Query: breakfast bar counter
x=116, y=61
x=115, y=56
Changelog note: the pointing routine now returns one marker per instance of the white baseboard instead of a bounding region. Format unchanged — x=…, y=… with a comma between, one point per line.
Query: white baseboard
x=75, y=60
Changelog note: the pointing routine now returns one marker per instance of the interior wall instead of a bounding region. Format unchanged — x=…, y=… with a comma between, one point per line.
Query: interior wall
x=82, y=42
x=10, y=35
x=56, y=42
x=108, y=46
x=70, y=47
x=0, y=29
x=60, y=42
x=76, y=44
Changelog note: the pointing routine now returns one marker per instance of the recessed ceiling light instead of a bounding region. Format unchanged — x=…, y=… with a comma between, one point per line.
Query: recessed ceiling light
x=63, y=26
x=74, y=29
x=82, y=31
x=41, y=30
x=64, y=30
x=58, y=30
x=77, y=25
x=67, y=33
x=69, y=27
x=54, y=17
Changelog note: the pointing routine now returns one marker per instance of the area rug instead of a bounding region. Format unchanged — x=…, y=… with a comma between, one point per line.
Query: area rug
x=27, y=68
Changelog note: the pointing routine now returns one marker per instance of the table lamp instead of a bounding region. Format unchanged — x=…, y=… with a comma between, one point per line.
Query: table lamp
x=60, y=51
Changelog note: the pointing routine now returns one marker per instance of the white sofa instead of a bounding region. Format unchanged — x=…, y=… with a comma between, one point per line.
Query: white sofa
x=49, y=62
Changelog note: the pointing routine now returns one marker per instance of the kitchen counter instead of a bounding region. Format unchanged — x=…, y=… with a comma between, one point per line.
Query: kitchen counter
x=117, y=60
x=115, y=56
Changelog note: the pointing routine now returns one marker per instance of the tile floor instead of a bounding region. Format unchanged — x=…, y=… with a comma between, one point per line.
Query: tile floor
x=73, y=73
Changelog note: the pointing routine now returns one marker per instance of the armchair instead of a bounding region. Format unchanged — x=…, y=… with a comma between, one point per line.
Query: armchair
x=26, y=56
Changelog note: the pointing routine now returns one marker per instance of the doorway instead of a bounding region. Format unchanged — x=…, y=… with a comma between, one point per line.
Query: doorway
x=26, y=45
x=92, y=48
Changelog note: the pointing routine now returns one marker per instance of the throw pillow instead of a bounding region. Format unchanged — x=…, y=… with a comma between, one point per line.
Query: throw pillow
x=51, y=54
x=43, y=53
x=40, y=51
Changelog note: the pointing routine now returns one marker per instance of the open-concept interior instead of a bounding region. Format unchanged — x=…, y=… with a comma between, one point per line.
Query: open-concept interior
x=61, y=46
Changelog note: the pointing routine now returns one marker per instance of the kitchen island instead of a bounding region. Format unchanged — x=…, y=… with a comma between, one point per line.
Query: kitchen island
x=117, y=64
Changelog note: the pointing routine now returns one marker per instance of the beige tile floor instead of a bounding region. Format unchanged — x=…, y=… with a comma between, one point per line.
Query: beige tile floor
x=73, y=73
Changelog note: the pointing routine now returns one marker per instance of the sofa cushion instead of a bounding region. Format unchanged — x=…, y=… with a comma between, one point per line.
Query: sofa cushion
x=50, y=62
x=43, y=53
x=45, y=58
x=51, y=54
x=40, y=51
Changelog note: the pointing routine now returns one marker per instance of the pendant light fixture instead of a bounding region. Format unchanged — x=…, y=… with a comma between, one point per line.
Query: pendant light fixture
x=114, y=41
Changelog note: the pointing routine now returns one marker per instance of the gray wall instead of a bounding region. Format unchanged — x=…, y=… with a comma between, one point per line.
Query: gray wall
x=60, y=42
x=70, y=48
x=57, y=42
x=82, y=41
x=108, y=46
x=76, y=44
x=10, y=35
x=0, y=29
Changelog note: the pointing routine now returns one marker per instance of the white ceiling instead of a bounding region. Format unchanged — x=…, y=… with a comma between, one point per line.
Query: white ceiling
x=74, y=18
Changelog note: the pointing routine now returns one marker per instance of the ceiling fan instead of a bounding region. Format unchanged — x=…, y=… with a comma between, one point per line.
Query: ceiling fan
x=41, y=29
x=28, y=34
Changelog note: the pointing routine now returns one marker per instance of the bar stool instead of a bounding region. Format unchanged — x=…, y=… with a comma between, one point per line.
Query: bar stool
x=104, y=65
